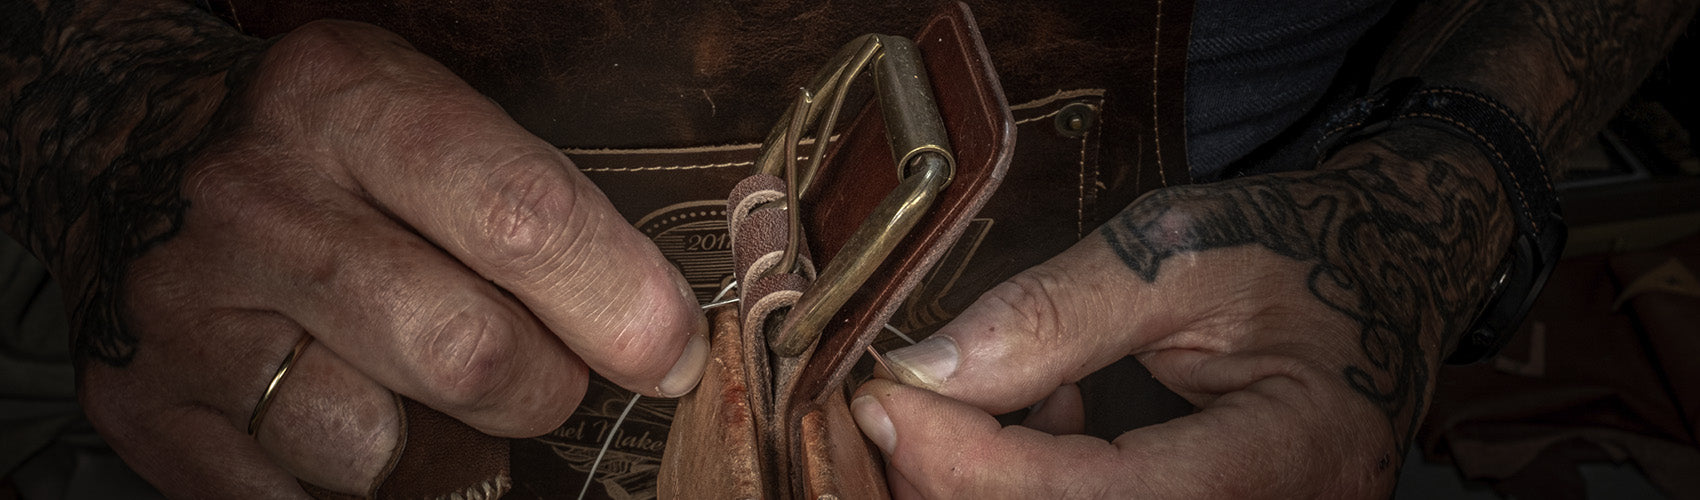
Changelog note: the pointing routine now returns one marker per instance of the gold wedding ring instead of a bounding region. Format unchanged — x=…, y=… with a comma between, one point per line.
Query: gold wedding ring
x=277, y=379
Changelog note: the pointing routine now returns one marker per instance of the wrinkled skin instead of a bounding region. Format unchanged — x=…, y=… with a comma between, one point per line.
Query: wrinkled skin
x=338, y=184
x=365, y=196
x=1302, y=313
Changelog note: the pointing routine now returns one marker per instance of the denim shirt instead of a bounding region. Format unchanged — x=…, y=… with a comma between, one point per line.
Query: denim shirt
x=1255, y=67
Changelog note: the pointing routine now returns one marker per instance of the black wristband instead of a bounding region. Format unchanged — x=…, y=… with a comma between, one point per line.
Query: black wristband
x=1522, y=170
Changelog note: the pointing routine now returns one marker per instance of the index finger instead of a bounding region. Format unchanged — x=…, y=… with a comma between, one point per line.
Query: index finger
x=947, y=449
x=455, y=168
x=1272, y=439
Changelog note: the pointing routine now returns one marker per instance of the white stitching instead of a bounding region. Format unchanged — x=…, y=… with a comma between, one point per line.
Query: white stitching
x=1080, y=201
x=692, y=149
x=670, y=167
x=1156, y=125
x=1060, y=95
x=1054, y=112
x=1037, y=118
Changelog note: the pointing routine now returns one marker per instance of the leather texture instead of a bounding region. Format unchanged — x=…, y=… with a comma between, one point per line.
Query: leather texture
x=807, y=445
x=728, y=460
x=663, y=104
x=715, y=449
x=977, y=119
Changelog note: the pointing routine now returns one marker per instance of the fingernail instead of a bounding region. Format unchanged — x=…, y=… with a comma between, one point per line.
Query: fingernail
x=687, y=371
x=929, y=362
x=875, y=422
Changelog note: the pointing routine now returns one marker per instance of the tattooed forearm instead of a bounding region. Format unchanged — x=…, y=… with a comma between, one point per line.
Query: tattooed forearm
x=1402, y=234
x=104, y=101
x=1564, y=66
x=1397, y=235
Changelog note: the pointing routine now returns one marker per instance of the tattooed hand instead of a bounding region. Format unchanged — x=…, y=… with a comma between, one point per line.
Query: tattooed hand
x=1304, y=313
x=206, y=203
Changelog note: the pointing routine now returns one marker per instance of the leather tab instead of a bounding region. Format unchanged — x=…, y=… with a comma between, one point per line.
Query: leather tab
x=799, y=416
x=836, y=460
x=713, y=449
x=857, y=175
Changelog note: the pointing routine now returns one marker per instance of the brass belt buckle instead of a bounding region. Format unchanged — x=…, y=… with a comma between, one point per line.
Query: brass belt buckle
x=919, y=146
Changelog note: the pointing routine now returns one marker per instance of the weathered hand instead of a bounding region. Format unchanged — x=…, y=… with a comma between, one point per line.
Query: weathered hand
x=356, y=191
x=1303, y=313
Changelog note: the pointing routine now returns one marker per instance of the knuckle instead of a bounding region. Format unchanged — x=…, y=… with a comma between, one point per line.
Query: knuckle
x=529, y=216
x=219, y=185
x=1030, y=300
x=467, y=357
x=331, y=45
x=336, y=75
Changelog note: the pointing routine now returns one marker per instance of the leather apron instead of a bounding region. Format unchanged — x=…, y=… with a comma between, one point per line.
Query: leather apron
x=664, y=105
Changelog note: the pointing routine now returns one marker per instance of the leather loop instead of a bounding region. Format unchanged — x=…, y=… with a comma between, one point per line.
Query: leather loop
x=760, y=231
x=659, y=103
x=717, y=425
x=856, y=177
x=798, y=417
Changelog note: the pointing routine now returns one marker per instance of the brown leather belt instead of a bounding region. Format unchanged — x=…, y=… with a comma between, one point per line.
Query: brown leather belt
x=658, y=104
x=774, y=423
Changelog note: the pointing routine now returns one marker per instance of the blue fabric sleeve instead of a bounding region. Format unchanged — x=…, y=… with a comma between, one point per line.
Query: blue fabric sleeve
x=1255, y=67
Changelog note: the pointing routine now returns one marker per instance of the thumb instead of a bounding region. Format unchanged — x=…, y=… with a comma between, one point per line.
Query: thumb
x=1046, y=327
x=943, y=448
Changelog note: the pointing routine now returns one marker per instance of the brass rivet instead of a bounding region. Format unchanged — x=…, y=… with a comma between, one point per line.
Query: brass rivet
x=1075, y=118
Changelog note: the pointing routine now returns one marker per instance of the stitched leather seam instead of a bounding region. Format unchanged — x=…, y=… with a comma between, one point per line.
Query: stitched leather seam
x=1492, y=104
x=1060, y=95
x=670, y=167
x=718, y=148
x=1080, y=188
x=1080, y=201
x=1053, y=112
x=1528, y=137
x=1156, y=123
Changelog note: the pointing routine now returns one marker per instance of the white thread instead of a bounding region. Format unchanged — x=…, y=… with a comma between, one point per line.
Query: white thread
x=899, y=334
x=591, y=476
x=669, y=167
x=1060, y=95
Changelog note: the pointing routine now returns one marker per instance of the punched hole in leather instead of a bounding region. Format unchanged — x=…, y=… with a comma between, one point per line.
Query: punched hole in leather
x=765, y=425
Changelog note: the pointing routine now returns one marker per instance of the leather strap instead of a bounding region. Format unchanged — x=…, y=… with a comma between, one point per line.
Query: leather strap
x=804, y=442
x=701, y=78
x=850, y=183
x=717, y=422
